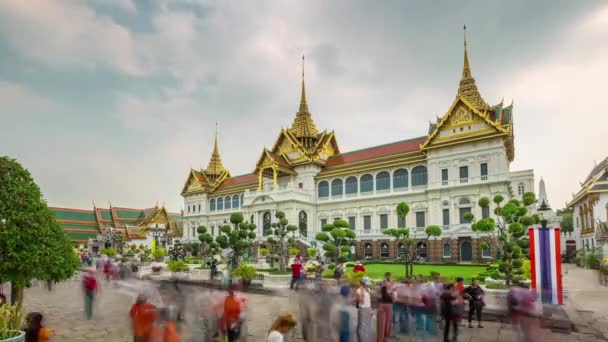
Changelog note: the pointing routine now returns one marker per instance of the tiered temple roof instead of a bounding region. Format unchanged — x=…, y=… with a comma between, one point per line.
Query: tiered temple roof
x=81, y=225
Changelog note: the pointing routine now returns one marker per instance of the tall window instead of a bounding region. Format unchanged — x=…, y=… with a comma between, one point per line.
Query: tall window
x=421, y=249
x=520, y=189
x=367, y=222
x=352, y=222
x=351, y=185
x=419, y=176
x=400, y=179
x=199, y=208
x=464, y=172
x=400, y=250
x=383, y=181
x=336, y=187
x=384, y=252
x=243, y=200
x=212, y=230
x=420, y=219
x=323, y=222
x=383, y=221
x=447, y=250
x=366, y=183
x=251, y=219
x=463, y=212
x=235, y=201
x=444, y=176
x=212, y=204
x=188, y=208
x=483, y=169
x=266, y=221
x=485, y=212
x=323, y=189
x=368, y=251
x=220, y=204
x=303, y=223
x=227, y=202
x=446, y=217
x=400, y=222
x=486, y=253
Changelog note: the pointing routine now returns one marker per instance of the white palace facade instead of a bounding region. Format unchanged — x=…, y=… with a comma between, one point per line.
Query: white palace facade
x=464, y=155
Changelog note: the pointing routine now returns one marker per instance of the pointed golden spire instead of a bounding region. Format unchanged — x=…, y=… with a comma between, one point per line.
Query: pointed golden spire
x=303, y=126
x=215, y=166
x=467, y=88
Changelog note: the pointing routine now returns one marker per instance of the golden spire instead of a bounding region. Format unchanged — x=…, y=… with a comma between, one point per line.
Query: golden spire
x=303, y=126
x=467, y=88
x=215, y=166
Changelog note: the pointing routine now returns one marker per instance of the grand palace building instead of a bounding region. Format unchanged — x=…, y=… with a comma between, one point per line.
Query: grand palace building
x=461, y=157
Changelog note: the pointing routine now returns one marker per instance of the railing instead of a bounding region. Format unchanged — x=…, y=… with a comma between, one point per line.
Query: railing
x=444, y=182
x=464, y=180
x=484, y=178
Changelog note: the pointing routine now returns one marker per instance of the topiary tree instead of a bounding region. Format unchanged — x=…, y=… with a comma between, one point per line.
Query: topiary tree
x=277, y=237
x=507, y=231
x=402, y=235
x=177, y=251
x=337, y=238
x=207, y=247
x=159, y=253
x=32, y=244
x=237, y=238
x=312, y=252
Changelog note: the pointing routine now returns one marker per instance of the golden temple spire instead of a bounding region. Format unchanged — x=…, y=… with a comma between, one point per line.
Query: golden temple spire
x=215, y=166
x=303, y=126
x=467, y=88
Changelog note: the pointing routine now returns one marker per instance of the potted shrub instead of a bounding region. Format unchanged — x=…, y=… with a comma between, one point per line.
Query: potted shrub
x=246, y=273
x=11, y=321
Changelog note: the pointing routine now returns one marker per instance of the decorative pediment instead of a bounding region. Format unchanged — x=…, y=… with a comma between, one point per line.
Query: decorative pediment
x=194, y=182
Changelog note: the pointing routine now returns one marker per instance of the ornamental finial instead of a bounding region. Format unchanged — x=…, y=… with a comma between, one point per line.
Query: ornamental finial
x=303, y=104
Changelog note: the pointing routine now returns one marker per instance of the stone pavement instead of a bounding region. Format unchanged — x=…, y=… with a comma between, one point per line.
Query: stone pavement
x=63, y=310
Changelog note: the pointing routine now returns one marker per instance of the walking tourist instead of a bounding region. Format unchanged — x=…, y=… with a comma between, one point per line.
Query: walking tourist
x=359, y=267
x=34, y=332
x=450, y=312
x=525, y=311
x=461, y=297
x=296, y=272
x=231, y=318
x=475, y=295
x=364, y=304
x=90, y=288
x=344, y=318
x=281, y=326
x=339, y=272
x=319, y=272
x=385, y=310
x=165, y=331
x=143, y=315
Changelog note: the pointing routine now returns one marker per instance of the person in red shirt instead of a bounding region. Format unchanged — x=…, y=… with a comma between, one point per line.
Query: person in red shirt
x=231, y=320
x=359, y=268
x=143, y=315
x=296, y=272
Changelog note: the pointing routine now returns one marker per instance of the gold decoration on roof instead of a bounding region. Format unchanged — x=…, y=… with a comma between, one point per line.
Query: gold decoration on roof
x=215, y=167
x=303, y=126
x=467, y=88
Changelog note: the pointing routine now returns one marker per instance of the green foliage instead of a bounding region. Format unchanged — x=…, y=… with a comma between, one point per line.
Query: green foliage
x=593, y=258
x=433, y=230
x=402, y=210
x=483, y=202
x=177, y=251
x=201, y=230
x=11, y=321
x=159, y=253
x=312, y=252
x=178, y=266
x=529, y=198
x=469, y=217
x=280, y=239
x=294, y=251
x=109, y=251
x=484, y=245
x=264, y=251
x=245, y=271
x=338, y=241
x=567, y=224
x=496, y=286
x=236, y=218
x=331, y=267
x=498, y=199
x=32, y=244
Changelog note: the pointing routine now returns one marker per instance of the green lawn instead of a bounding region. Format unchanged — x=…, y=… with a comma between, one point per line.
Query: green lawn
x=377, y=271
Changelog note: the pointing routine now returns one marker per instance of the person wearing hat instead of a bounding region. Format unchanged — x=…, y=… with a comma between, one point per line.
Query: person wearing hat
x=281, y=326
x=363, y=300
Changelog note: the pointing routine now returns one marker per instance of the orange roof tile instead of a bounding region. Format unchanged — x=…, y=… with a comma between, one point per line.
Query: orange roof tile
x=236, y=180
x=404, y=146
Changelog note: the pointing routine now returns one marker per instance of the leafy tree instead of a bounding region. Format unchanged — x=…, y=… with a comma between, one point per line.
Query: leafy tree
x=312, y=252
x=207, y=247
x=567, y=223
x=337, y=238
x=159, y=253
x=237, y=237
x=32, y=244
x=177, y=251
x=507, y=230
x=402, y=235
x=278, y=237
x=109, y=251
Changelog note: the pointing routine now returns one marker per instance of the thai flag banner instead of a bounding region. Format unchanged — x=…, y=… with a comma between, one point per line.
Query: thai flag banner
x=546, y=264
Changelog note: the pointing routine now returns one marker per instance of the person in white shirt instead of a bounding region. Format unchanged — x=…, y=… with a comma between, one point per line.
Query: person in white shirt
x=281, y=326
x=364, y=303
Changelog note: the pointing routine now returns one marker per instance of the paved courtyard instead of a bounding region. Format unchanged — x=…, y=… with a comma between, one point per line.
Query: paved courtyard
x=63, y=310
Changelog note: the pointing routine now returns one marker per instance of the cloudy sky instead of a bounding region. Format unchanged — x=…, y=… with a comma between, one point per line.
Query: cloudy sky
x=114, y=100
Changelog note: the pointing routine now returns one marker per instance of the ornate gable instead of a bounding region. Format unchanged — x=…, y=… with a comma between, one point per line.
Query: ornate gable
x=195, y=183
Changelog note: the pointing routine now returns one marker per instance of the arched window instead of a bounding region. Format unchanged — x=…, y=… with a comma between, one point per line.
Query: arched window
x=447, y=250
x=419, y=176
x=323, y=189
x=242, y=199
x=266, y=220
x=227, y=202
x=336, y=187
x=251, y=219
x=384, y=253
x=520, y=189
x=303, y=223
x=368, y=252
x=212, y=204
x=401, y=251
x=383, y=181
x=235, y=201
x=366, y=183
x=351, y=185
x=487, y=252
x=220, y=204
x=400, y=179
x=421, y=250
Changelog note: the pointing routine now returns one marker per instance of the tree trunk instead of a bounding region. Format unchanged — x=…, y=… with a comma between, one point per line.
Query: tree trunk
x=16, y=294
